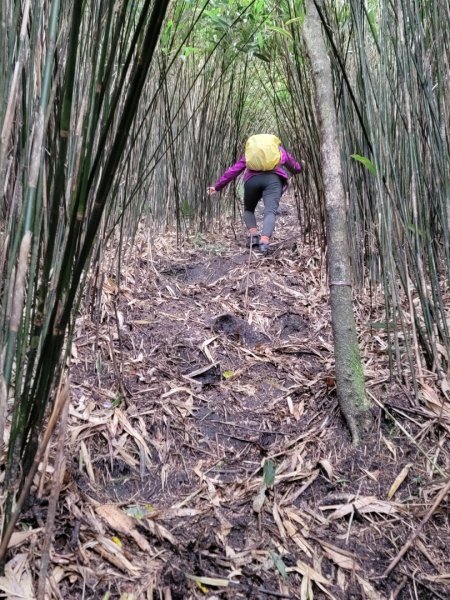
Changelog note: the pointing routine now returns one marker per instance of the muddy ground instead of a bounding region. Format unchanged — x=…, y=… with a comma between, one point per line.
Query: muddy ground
x=206, y=454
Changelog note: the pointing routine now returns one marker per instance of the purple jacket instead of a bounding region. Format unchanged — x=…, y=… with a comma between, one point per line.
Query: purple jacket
x=236, y=169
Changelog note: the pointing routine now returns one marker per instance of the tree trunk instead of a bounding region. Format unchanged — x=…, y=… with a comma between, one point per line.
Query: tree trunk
x=349, y=370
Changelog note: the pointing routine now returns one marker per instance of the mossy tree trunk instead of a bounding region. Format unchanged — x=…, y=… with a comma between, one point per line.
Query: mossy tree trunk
x=349, y=370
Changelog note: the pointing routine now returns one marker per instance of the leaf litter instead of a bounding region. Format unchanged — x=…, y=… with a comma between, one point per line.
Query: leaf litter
x=206, y=456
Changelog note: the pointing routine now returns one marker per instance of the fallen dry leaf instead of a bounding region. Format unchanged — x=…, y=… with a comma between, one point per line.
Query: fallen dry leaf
x=278, y=520
x=259, y=499
x=212, y=581
x=19, y=537
x=119, y=521
x=293, y=533
x=345, y=562
x=308, y=572
x=114, y=554
x=367, y=504
x=160, y=531
x=327, y=467
x=370, y=592
x=398, y=481
x=17, y=583
x=306, y=591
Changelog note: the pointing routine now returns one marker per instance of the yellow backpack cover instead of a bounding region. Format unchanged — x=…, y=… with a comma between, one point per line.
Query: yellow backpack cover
x=262, y=152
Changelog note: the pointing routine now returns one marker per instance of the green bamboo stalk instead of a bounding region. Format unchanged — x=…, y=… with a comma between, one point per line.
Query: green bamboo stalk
x=19, y=289
x=59, y=320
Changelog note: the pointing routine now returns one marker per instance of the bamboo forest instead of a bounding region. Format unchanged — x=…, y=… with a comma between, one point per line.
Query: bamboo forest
x=224, y=299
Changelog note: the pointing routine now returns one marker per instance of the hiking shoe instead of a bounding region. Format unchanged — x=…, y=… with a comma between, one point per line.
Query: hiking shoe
x=252, y=240
x=264, y=244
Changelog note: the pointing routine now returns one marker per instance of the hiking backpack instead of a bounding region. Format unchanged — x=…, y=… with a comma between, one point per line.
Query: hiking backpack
x=262, y=152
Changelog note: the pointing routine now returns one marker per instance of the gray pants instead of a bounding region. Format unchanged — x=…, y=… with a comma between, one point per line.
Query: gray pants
x=269, y=187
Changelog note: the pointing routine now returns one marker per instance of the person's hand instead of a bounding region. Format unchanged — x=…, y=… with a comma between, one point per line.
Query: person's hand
x=211, y=191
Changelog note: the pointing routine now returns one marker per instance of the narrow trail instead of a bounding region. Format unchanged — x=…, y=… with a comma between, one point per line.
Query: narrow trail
x=209, y=363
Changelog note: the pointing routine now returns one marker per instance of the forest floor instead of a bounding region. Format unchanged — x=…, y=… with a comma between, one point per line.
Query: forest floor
x=206, y=454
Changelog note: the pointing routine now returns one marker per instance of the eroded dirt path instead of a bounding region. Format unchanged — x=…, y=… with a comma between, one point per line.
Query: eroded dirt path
x=209, y=363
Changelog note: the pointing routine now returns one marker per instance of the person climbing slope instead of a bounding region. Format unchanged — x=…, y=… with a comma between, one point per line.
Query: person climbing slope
x=265, y=163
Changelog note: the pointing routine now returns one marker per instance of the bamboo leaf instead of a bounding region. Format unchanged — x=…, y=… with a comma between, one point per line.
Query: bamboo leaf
x=269, y=473
x=327, y=467
x=398, y=481
x=300, y=20
x=137, y=512
x=17, y=583
x=370, y=592
x=309, y=572
x=366, y=162
x=279, y=564
x=262, y=57
x=342, y=560
x=122, y=523
x=259, y=500
x=280, y=30
x=416, y=230
x=368, y=504
x=211, y=581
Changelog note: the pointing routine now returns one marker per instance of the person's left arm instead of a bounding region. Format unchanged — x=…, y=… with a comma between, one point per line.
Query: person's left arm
x=230, y=174
x=290, y=162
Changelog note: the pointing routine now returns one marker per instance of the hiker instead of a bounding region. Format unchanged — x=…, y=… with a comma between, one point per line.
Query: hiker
x=265, y=162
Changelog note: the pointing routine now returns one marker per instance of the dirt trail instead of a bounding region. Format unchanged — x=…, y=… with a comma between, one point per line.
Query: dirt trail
x=210, y=363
